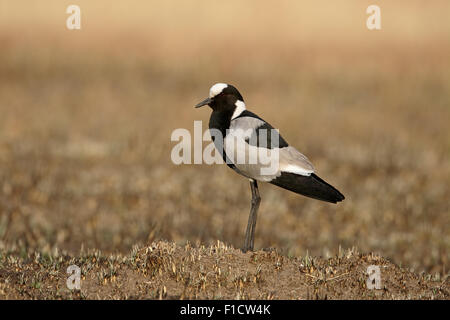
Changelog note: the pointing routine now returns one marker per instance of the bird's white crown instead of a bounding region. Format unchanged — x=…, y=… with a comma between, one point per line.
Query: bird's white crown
x=217, y=89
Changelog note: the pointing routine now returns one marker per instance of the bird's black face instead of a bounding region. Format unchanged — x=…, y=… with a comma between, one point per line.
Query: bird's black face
x=223, y=100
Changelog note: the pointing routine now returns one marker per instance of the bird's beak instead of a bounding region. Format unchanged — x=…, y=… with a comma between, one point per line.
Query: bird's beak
x=203, y=103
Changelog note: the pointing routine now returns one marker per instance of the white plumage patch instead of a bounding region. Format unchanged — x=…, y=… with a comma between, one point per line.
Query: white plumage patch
x=298, y=170
x=240, y=107
x=217, y=89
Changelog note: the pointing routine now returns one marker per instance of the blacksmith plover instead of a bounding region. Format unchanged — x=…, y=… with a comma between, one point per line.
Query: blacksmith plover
x=242, y=132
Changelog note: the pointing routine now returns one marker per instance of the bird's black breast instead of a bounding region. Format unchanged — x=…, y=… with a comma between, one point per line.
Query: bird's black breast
x=220, y=120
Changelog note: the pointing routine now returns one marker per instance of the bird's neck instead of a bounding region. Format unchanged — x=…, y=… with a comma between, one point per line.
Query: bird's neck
x=220, y=120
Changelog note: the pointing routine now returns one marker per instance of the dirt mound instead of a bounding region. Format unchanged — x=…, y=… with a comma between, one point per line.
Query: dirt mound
x=166, y=270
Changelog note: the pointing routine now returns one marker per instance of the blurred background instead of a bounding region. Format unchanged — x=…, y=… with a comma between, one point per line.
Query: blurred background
x=86, y=118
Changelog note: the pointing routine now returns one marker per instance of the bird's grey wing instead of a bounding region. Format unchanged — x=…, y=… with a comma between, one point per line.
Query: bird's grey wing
x=291, y=160
x=250, y=135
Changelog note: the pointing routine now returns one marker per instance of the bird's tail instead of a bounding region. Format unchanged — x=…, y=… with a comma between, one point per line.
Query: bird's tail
x=310, y=186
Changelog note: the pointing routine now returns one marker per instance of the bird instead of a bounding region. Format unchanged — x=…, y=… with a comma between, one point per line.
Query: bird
x=237, y=132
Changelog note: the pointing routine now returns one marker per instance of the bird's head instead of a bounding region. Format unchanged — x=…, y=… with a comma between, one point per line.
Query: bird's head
x=223, y=97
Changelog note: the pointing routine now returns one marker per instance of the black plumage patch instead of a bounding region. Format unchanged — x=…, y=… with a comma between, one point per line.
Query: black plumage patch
x=310, y=186
x=247, y=113
x=220, y=120
x=265, y=135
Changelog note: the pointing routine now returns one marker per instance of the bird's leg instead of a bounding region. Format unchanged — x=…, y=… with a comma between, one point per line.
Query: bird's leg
x=250, y=233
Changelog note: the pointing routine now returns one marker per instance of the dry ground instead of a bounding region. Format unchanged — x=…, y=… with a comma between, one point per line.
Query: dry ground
x=167, y=271
x=86, y=118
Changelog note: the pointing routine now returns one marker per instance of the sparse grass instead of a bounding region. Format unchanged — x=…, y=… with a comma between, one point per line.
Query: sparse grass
x=165, y=270
x=85, y=125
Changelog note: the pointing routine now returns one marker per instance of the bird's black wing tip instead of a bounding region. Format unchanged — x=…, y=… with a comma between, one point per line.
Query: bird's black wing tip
x=310, y=186
x=341, y=197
